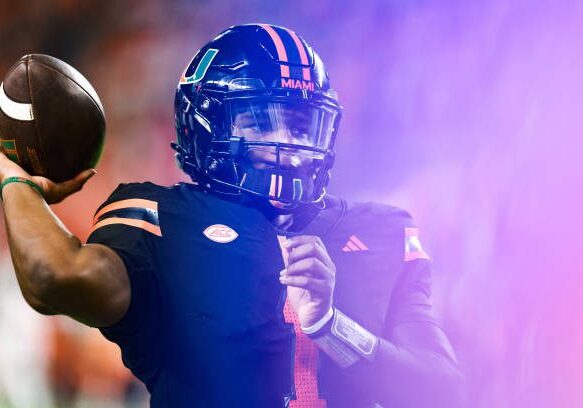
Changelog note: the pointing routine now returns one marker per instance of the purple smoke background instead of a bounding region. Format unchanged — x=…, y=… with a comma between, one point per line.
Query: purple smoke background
x=466, y=113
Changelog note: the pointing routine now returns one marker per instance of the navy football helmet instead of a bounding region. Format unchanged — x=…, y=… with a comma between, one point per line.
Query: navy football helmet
x=256, y=117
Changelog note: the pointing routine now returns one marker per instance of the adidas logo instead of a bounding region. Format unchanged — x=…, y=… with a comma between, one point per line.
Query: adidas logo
x=354, y=245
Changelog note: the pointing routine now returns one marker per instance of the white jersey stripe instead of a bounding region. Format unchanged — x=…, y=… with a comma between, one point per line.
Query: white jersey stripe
x=15, y=110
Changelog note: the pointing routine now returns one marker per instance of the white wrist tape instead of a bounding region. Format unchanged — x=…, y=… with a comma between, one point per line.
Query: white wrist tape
x=320, y=323
x=345, y=341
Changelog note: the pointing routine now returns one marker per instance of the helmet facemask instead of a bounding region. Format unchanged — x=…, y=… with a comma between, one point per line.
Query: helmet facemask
x=275, y=149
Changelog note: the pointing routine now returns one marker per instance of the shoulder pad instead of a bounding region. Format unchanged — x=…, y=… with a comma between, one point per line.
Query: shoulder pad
x=389, y=217
x=374, y=225
x=133, y=204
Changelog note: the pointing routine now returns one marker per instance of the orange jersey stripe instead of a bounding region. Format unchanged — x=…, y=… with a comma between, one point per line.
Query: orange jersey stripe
x=154, y=229
x=281, y=52
x=130, y=203
x=303, y=55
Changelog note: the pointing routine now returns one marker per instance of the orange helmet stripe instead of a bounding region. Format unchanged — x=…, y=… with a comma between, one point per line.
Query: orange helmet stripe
x=303, y=54
x=281, y=52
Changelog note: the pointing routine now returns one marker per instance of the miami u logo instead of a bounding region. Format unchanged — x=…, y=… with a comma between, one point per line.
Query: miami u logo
x=201, y=68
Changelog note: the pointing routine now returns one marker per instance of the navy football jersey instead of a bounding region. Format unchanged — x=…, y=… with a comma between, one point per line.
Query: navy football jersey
x=208, y=324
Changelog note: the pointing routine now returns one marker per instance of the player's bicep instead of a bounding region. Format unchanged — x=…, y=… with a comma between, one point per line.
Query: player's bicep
x=411, y=322
x=126, y=232
x=97, y=289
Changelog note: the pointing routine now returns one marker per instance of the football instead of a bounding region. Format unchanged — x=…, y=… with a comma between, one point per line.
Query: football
x=52, y=122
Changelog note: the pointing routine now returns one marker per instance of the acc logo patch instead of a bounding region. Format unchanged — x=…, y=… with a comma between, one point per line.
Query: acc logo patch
x=220, y=233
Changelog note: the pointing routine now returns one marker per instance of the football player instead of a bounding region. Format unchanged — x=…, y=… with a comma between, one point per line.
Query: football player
x=250, y=286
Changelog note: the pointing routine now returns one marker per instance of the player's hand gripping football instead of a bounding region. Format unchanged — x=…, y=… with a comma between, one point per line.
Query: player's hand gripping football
x=310, y=277
x=54, y=192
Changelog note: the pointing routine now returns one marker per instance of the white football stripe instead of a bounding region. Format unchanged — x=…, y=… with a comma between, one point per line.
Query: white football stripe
x=16, y=110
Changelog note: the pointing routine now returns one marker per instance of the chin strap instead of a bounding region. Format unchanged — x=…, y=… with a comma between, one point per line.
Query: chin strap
x=281, y=185
x=183, y=159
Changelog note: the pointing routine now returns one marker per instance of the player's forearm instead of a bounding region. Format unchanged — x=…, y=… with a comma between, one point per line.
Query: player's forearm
x=410, y=377
x=41, y=247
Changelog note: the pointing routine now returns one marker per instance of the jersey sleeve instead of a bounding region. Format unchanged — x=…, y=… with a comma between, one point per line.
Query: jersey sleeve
x=128, y=224
x=411, y=308
x=411, y=297
x=407, y=359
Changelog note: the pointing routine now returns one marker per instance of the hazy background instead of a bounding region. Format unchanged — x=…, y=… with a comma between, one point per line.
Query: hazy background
x=467, y=113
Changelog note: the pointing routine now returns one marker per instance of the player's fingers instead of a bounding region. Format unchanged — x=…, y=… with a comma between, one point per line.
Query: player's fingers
x=84, y=176
x=304, y=282
x=4, y=158
x=310, y=267
x=309, y=250
x=57, y=192
x=296, y=241
x=8, y=168
x=75, y=184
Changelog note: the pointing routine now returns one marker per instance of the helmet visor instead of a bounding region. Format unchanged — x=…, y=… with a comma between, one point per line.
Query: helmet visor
x=301, y=124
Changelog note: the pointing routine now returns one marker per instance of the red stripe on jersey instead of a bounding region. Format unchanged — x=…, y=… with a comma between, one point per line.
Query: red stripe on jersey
x=305, y=357
x=305, y=366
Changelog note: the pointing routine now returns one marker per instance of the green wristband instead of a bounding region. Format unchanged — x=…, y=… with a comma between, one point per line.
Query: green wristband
x=22, y=180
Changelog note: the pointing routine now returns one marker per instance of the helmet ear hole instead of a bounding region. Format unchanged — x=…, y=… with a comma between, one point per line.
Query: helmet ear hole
x=221, y=169
x=214, y=166
x=205, y=104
